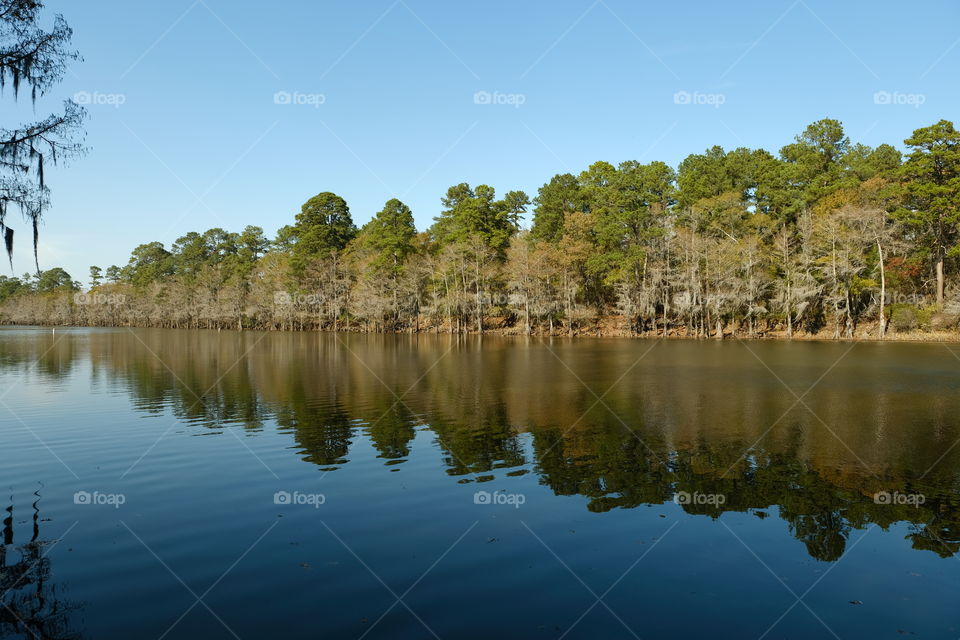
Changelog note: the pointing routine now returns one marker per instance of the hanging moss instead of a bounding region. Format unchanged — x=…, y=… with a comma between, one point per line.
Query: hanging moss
x=8, y=243
x=34, y=58
x=36, y=239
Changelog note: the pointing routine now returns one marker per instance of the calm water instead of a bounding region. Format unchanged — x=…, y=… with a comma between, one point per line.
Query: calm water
x=188, y=484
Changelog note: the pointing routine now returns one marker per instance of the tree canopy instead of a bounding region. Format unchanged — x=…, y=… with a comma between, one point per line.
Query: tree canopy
x=826, y=234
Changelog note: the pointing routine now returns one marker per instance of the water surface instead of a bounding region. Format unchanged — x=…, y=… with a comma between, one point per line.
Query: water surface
x=207, y=484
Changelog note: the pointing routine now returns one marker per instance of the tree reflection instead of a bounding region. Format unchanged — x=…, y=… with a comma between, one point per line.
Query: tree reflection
x=393, y=431
x=32, y=606
x=698, y=420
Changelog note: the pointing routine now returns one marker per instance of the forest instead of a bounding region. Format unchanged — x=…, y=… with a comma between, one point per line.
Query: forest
x=826, y=237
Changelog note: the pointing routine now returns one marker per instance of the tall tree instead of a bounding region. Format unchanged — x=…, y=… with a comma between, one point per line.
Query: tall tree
x=252, y=243
x=190, y=255
x=390, y=235
x=323, y=226
x=148, y=263
x=554, y=202
x=813, y=164
x=474, y=212
x=862, y=162
x=384, y=245
x=931, y=181
x=55, y=279
x=628, y=206
x=36, y=59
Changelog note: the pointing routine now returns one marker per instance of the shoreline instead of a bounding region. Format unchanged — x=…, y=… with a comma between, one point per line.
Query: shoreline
x=921, y=337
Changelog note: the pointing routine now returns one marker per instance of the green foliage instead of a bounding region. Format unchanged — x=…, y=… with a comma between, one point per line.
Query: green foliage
x=908, y=317
x=190, y=253
x=390, y=236
x=10, y=287
x=285, y=239
x=55, y=279
x=252, y=244
x=628, y=205
x=813, y=166
x=931, y=187
x=323, y=226
x=903, y=317
x=554, y=202
x=862, y=162
x=714, y=173
x=474, y=212
x=148, y=263
x=732, y=241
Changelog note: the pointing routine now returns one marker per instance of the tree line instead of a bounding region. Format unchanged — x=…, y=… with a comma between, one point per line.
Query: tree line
x=825, y=236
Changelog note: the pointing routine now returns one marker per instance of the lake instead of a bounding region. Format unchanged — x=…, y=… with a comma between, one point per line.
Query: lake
x=186, y=484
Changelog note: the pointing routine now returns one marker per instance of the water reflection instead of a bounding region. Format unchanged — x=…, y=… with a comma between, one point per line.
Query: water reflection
x=601, y=419
x=31, y=604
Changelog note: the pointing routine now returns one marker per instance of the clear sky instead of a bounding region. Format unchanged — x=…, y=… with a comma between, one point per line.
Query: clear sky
x=225, y=113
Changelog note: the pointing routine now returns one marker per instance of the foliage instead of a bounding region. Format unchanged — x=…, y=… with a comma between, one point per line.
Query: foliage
x=35, y=59
x=826, y=235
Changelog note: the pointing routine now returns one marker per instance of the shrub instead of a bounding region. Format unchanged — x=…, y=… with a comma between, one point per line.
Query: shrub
x=944, y=320
x=903, y=318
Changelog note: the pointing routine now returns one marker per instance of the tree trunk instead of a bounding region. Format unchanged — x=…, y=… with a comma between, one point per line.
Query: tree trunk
x=479, y=297
x=940, y=282
x=789, y=313
x=526, y=313
x=849, y=318
x=883, y=292
x=665, y=315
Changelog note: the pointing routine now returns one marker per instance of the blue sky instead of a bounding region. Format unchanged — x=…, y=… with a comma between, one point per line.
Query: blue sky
x=226, y=113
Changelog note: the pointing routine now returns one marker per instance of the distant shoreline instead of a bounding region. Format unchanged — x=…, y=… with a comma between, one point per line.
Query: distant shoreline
x=868, y=334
